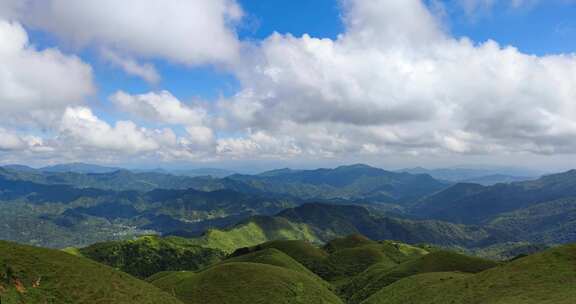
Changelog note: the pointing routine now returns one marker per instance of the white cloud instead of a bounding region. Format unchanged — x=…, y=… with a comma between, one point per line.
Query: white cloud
x=81, y=135
x=82, y=128
x=145, y=71
x=395, y=83
x=199, y=136
x=257, y=144
x=160, y=107
x=399, y=84
x=34, y=82
x=10, y=141
x=191, y=32
x=163, y=108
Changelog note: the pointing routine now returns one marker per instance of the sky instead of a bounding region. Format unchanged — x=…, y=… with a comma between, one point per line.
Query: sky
x=263, y=84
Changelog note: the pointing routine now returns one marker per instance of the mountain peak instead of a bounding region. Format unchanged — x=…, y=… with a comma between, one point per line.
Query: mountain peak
x=277, y=172
x=355, y=166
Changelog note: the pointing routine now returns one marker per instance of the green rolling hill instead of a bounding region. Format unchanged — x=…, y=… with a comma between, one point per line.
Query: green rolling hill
x=148, y=255
x=245, y=283
x=378, y=277
x=352, y=270
x=37, y=275
x=543, y=278
x=275, y=257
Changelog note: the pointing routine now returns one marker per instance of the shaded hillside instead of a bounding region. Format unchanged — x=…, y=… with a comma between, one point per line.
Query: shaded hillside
x=334, y=221
x=339, y=264
x=275, y=257
x=36, y=275
x=254, y=231
x=62, y=216
x=355, y=270
x=148, y=255
x=246, y=283
x=551, y=222
x=39, y=193
x=346, y=182
x=469, y=203
x=296, y=275
x=377, y=277
x=320, y=223
x=547, y=277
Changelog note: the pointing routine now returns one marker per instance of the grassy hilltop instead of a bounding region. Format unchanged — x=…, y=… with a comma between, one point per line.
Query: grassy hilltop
x=36, y=275
x=348, y=270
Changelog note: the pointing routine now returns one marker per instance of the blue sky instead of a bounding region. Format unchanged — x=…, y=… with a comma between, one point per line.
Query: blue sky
x=395, y=85
x=542, y=29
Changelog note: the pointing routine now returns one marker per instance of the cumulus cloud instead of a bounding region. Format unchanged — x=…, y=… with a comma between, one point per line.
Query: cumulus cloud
x=258, y=144
x=145, y=71
x=10, y=141
x=80, y=126
x=36, y=83
x=401, y=84
x=159, y=107
x=82, y=135
x=163, y=108
x=190, y=32
x=394, y=83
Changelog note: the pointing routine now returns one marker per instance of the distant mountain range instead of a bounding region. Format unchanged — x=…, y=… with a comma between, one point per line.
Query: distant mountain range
x=287, y=236
x=98, y=169
x=472, y=203
x=60, y=209
x=346, y=182
x=485, y=177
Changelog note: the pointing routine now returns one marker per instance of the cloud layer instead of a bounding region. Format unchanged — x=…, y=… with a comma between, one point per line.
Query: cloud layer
x=37, y=83
x=395, y=83
x=184, y=31
x=400, y=84
x=188, y=32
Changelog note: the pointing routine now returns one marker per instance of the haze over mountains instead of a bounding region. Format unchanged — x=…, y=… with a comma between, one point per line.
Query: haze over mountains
x=483, y=176
x=90, y=168
x=79, y=204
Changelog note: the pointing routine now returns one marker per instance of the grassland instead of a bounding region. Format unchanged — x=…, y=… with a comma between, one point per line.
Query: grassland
x=246, y=283
x=543, y=278
x=36, y=275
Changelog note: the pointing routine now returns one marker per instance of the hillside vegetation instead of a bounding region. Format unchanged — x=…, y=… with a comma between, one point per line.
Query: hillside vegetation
x=547, y=277
x=345, y=182
x=246, y=283
x=36, y=275
x=475, y=204
x=59, y=208
x=352, y=270
x=148, y=255
x=380, y=276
